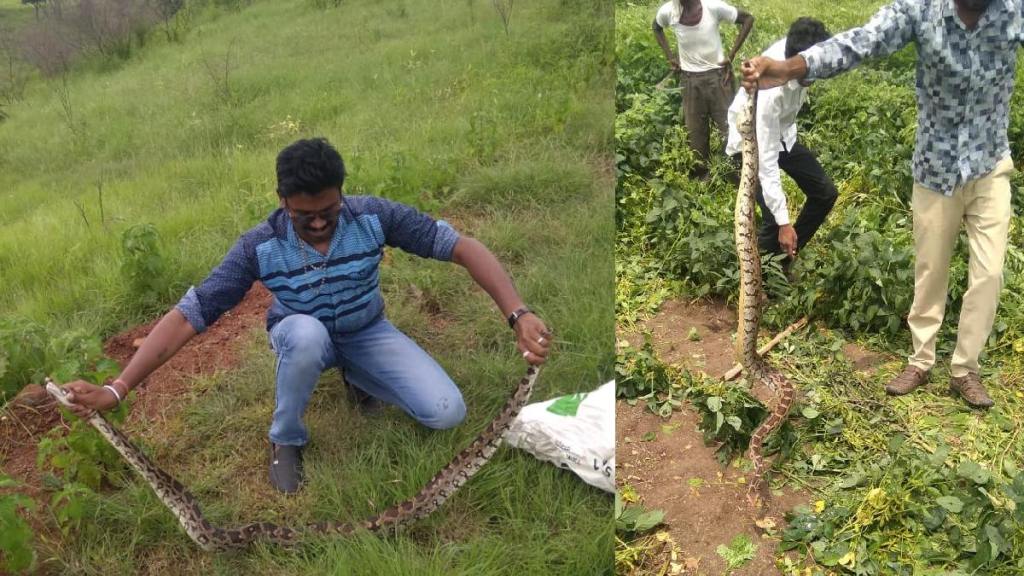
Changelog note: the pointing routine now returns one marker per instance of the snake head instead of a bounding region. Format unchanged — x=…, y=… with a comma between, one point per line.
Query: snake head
x=59, y=394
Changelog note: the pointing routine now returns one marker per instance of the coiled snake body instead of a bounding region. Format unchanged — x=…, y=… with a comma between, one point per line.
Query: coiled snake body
x=750, y=300
x=185, y=507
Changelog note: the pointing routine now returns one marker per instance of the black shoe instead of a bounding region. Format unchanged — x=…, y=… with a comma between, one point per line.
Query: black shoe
x=285, y=467
x=367, y=404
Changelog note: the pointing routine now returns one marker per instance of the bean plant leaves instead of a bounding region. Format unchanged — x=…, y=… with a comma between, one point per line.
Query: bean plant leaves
x=972, y=471
x=951, y=503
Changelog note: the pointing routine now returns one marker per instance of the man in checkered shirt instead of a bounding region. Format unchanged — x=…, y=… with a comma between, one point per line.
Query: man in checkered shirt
x=967, y=52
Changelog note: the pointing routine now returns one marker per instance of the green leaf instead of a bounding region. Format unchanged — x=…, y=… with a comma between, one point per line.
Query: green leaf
x=951, y=503
x=649, y=436
x=939, y=457
x=972, y=471
x=896, y=442
x=853, y=480
x=649, y=520
x=810, y=412
x=714, y=403
x=996, y=540
x=629, y=516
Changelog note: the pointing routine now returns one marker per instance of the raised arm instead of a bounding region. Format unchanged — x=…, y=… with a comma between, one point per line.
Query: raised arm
x=533, y=338
x=890, y=29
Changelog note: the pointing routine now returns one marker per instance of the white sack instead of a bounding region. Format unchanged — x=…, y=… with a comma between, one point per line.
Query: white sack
x=576, y=432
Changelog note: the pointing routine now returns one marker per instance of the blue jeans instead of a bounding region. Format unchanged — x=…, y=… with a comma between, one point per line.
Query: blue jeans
x=379, y=359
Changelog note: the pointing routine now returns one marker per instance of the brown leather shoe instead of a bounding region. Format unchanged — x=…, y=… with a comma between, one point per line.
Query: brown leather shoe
x=906, y=381
x=971, y=389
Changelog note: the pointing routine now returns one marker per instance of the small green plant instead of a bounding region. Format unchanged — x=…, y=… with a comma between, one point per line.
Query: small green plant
x=642, y=376
x=16, y=551
x=143, y=264
x=729, y=415
x=740, y=551
x=81, y=456
x=68, y=505
x=635, y=519
x=504, y=10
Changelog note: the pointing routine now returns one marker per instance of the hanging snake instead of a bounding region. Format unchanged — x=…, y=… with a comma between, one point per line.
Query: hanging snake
x=210, y=538
x=750, y=300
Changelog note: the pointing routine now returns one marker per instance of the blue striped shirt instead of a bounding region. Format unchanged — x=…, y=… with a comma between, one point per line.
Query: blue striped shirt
x=964, y=81
x=341, y=289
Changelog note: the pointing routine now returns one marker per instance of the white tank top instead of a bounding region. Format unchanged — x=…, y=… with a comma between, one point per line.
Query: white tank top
x=700, y=46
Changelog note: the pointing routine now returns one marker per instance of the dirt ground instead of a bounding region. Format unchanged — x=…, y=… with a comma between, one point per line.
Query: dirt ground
x=704, y=501
x=26, y=419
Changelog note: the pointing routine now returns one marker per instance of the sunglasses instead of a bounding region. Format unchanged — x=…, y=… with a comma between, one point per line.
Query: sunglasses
x=304, y=219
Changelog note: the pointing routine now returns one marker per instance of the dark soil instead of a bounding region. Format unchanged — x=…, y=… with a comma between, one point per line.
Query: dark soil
x=704, y=501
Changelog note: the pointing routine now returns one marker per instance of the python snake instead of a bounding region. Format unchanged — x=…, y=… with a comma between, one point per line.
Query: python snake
x=211, y=538
x=750, y=300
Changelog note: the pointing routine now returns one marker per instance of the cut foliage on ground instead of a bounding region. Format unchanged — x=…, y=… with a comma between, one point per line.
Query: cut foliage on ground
x=914, y=485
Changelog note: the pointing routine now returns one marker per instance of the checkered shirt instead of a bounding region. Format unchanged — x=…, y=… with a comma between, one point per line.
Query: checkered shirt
x=964, y=80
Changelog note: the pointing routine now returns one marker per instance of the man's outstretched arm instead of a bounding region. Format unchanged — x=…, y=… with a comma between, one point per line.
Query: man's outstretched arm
x=533, y=338
x=167, y=337
x=890, y=29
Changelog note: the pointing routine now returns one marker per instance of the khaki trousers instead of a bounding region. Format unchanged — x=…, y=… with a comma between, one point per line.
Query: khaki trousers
x=983, y=205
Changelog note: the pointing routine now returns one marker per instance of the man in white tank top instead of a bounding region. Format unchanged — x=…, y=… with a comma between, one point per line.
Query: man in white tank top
x=706, y=71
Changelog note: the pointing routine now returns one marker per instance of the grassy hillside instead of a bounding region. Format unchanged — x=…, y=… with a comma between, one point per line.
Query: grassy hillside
x=431, y=103
x=184, y=135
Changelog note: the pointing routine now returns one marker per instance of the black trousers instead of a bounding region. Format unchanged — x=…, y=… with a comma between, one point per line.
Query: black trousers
x=801, y=165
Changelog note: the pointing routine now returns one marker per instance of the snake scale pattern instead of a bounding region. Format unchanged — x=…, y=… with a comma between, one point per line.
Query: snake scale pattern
x=750, y=302
x=212, y=538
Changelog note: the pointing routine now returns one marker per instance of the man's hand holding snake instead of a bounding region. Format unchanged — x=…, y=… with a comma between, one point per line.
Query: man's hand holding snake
x=532, y=338
x=89, y=398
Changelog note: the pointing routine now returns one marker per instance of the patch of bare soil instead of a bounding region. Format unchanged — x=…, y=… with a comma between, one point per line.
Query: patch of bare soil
x=696, y=336
x=23, y=423
x=704, y=501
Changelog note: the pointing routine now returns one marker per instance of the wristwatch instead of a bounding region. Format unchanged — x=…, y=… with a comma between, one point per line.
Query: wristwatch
x=516, y=315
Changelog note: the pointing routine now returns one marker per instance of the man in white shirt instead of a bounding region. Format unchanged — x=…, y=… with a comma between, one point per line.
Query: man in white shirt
x=706, y=72
x=777, y=145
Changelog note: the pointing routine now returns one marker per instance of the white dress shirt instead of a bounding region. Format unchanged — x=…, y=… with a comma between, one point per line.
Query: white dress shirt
x=776, y=132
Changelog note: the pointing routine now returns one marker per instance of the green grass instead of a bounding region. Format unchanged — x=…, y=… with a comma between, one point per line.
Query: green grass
x=152, y=141
x=508, y=137
x=517, y=515
x=14, y=13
